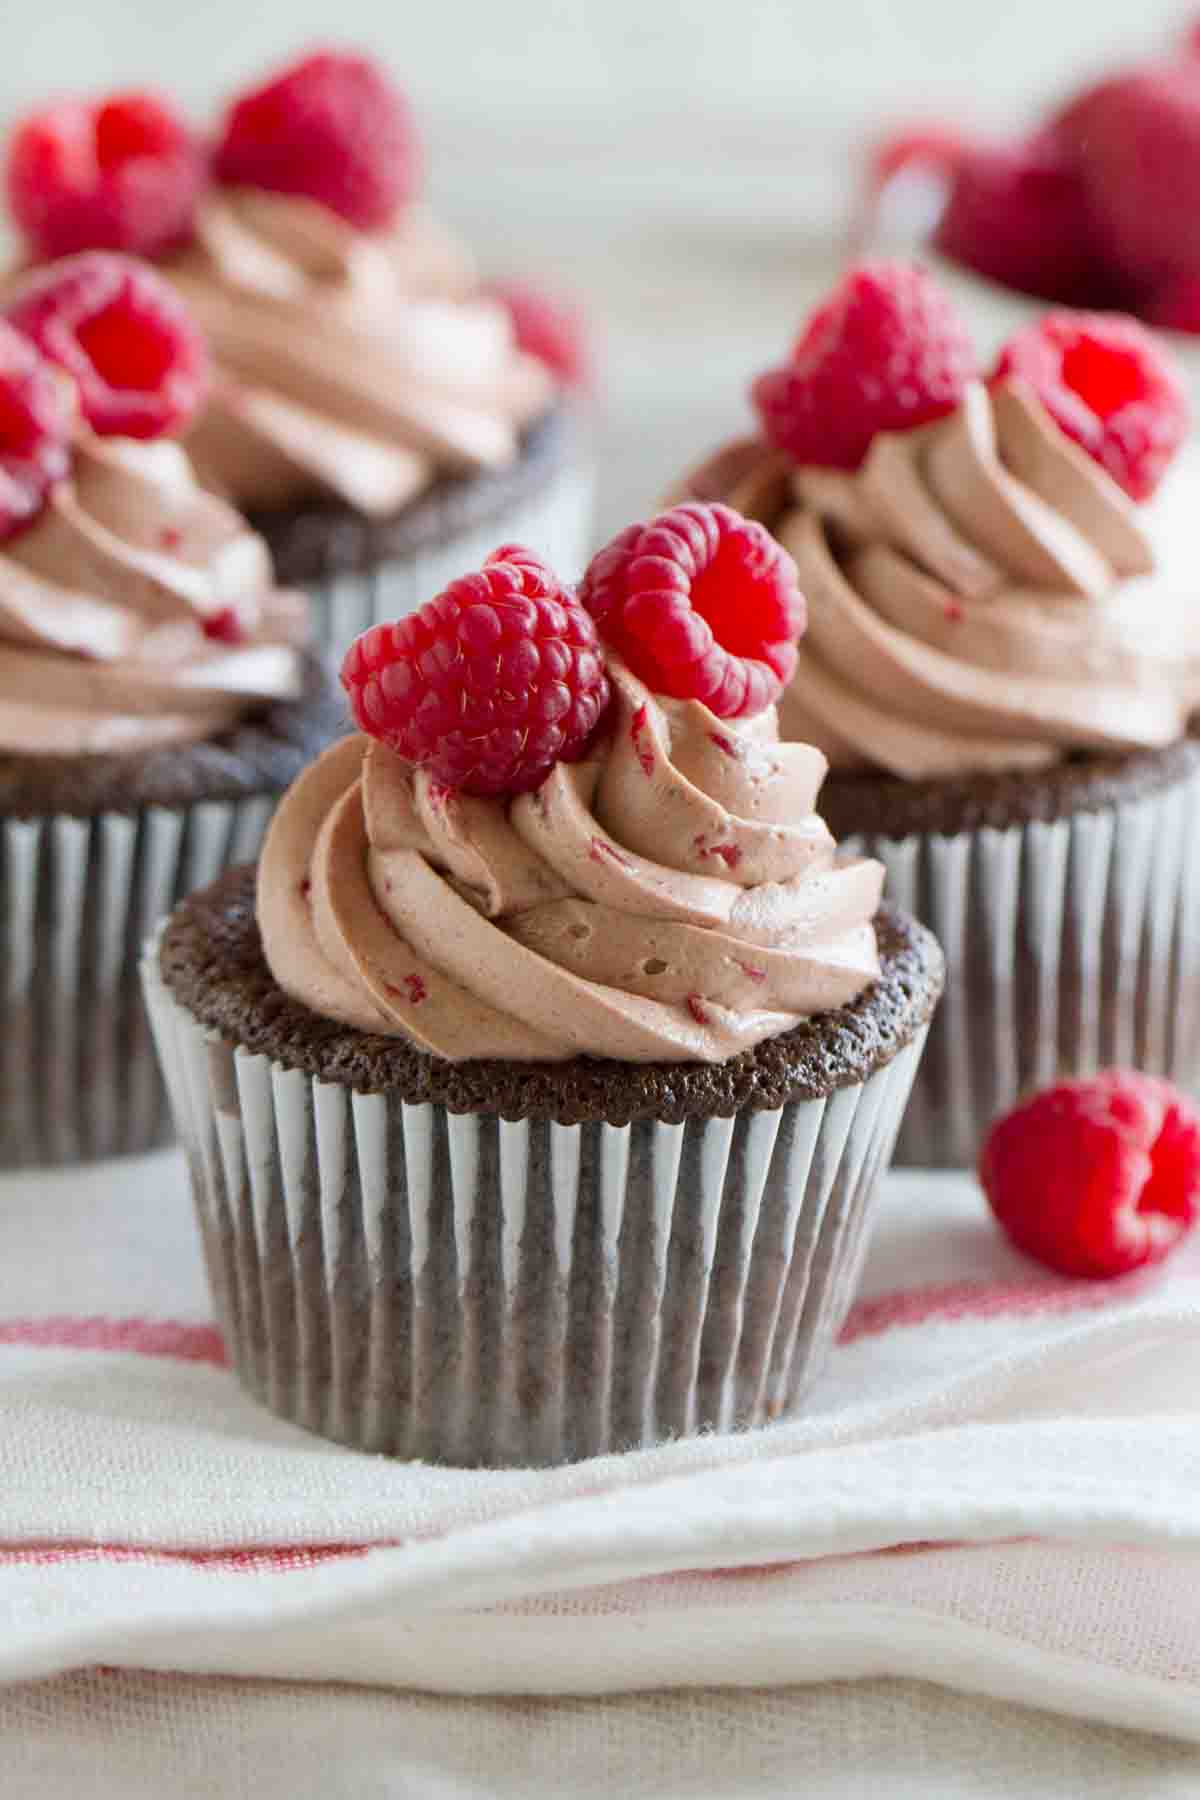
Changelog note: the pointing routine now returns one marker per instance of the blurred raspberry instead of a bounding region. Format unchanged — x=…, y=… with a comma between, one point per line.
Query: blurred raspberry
x=34, y=432
x=550, y=327
x=330, y=127
x=125, y=173
x=1018, y=214
x=1109, y=384
x=124, y=336
x=885, y=352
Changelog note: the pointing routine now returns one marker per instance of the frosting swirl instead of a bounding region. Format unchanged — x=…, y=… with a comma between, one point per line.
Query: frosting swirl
x=982, y=596
x=104, y=602
x=674, y=897
x=351, y=364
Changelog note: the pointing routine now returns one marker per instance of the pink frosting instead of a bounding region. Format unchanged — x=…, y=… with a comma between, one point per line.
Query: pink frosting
x=104, y=601
x=981, y=596
x=352, y=364
x=675, y=897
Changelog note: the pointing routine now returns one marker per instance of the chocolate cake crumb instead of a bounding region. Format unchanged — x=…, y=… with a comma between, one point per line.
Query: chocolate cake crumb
x=212, y=961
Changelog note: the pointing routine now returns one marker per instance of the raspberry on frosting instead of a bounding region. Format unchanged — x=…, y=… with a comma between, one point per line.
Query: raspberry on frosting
x=1110, y=385
x=123, y=335
x=488, y=685
x=121, y=173
x=886, y=351
x=35, y=424
x=701, y=604
x=331, y=127
x=1096, y=1177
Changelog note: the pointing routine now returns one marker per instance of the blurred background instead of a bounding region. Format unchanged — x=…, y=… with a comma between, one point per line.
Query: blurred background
x=684, y=165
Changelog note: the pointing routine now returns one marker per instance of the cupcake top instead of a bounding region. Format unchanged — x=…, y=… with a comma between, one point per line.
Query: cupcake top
x=136, y=610
x=536, y=850
x=355, y=355
x=986, y=591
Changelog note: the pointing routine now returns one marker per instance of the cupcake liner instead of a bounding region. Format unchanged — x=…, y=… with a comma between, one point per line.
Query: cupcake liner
x=1070, y=946
x=470, y=1290
x=555, y=521
x=78, y=1072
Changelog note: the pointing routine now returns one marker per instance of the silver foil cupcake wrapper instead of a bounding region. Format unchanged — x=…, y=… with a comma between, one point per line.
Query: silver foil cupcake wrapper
x=466, y=1290
x=1070, y=946
x=79, y=1078
x=555, y=522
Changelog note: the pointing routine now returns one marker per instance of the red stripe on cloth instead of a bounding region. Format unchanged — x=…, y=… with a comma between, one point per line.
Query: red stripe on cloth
x=986, y=1300
x=263, y=1559
x=143, y=1337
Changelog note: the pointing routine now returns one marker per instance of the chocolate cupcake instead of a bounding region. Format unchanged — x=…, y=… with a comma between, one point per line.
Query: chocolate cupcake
x=535, y=1093
x=155, y=697
x=1000, y=667
x=372, y=410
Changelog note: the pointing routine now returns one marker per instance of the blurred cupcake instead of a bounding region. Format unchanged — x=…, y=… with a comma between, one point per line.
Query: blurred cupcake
x=155, y=697
x=371, y=407
x=535, y=1095
x=1001, y=666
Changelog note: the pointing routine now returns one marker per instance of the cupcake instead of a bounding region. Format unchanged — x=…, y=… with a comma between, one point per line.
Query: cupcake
x=1001, y=667
x=371, y=408
x=155, y=696
x=535, y=1092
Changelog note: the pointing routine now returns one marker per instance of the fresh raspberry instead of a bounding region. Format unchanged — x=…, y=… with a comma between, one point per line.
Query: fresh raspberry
x=886, y=351
x=35, y=425
x=550, y=327
x=331, y=127
x=701, y=604
x=490, y=684
x=1110, y=385
x=1096, y=1177
x=125, y=337
x=124, y=173
x=1137, y=140
x=1018, y=214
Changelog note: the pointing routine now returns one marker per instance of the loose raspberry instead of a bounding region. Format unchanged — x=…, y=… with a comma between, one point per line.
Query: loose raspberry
x=701, y=604
x=1137, y=140
x=1018, y=214
x=1096, y=1177
x=550, y=327
x=886, y=351
x=124, y=336
x=35, y=428
x=331, y=127
x=488, y=685
x=1110, y=385
x=123, y=173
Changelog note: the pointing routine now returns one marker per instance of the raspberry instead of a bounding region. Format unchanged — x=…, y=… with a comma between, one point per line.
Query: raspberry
x=1109, y=385
x=35, y=426
x=124, y=173
x=702, y=605
x=1096, y=1177
x=488, y=685
x=330, y=127
x=886, y=351
x=549, y=327
x=1018, y=214
x=1137, y=140
x=125, y=337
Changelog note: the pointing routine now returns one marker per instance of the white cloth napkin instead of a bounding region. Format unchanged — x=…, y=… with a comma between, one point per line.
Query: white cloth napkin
x=995, y=1488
